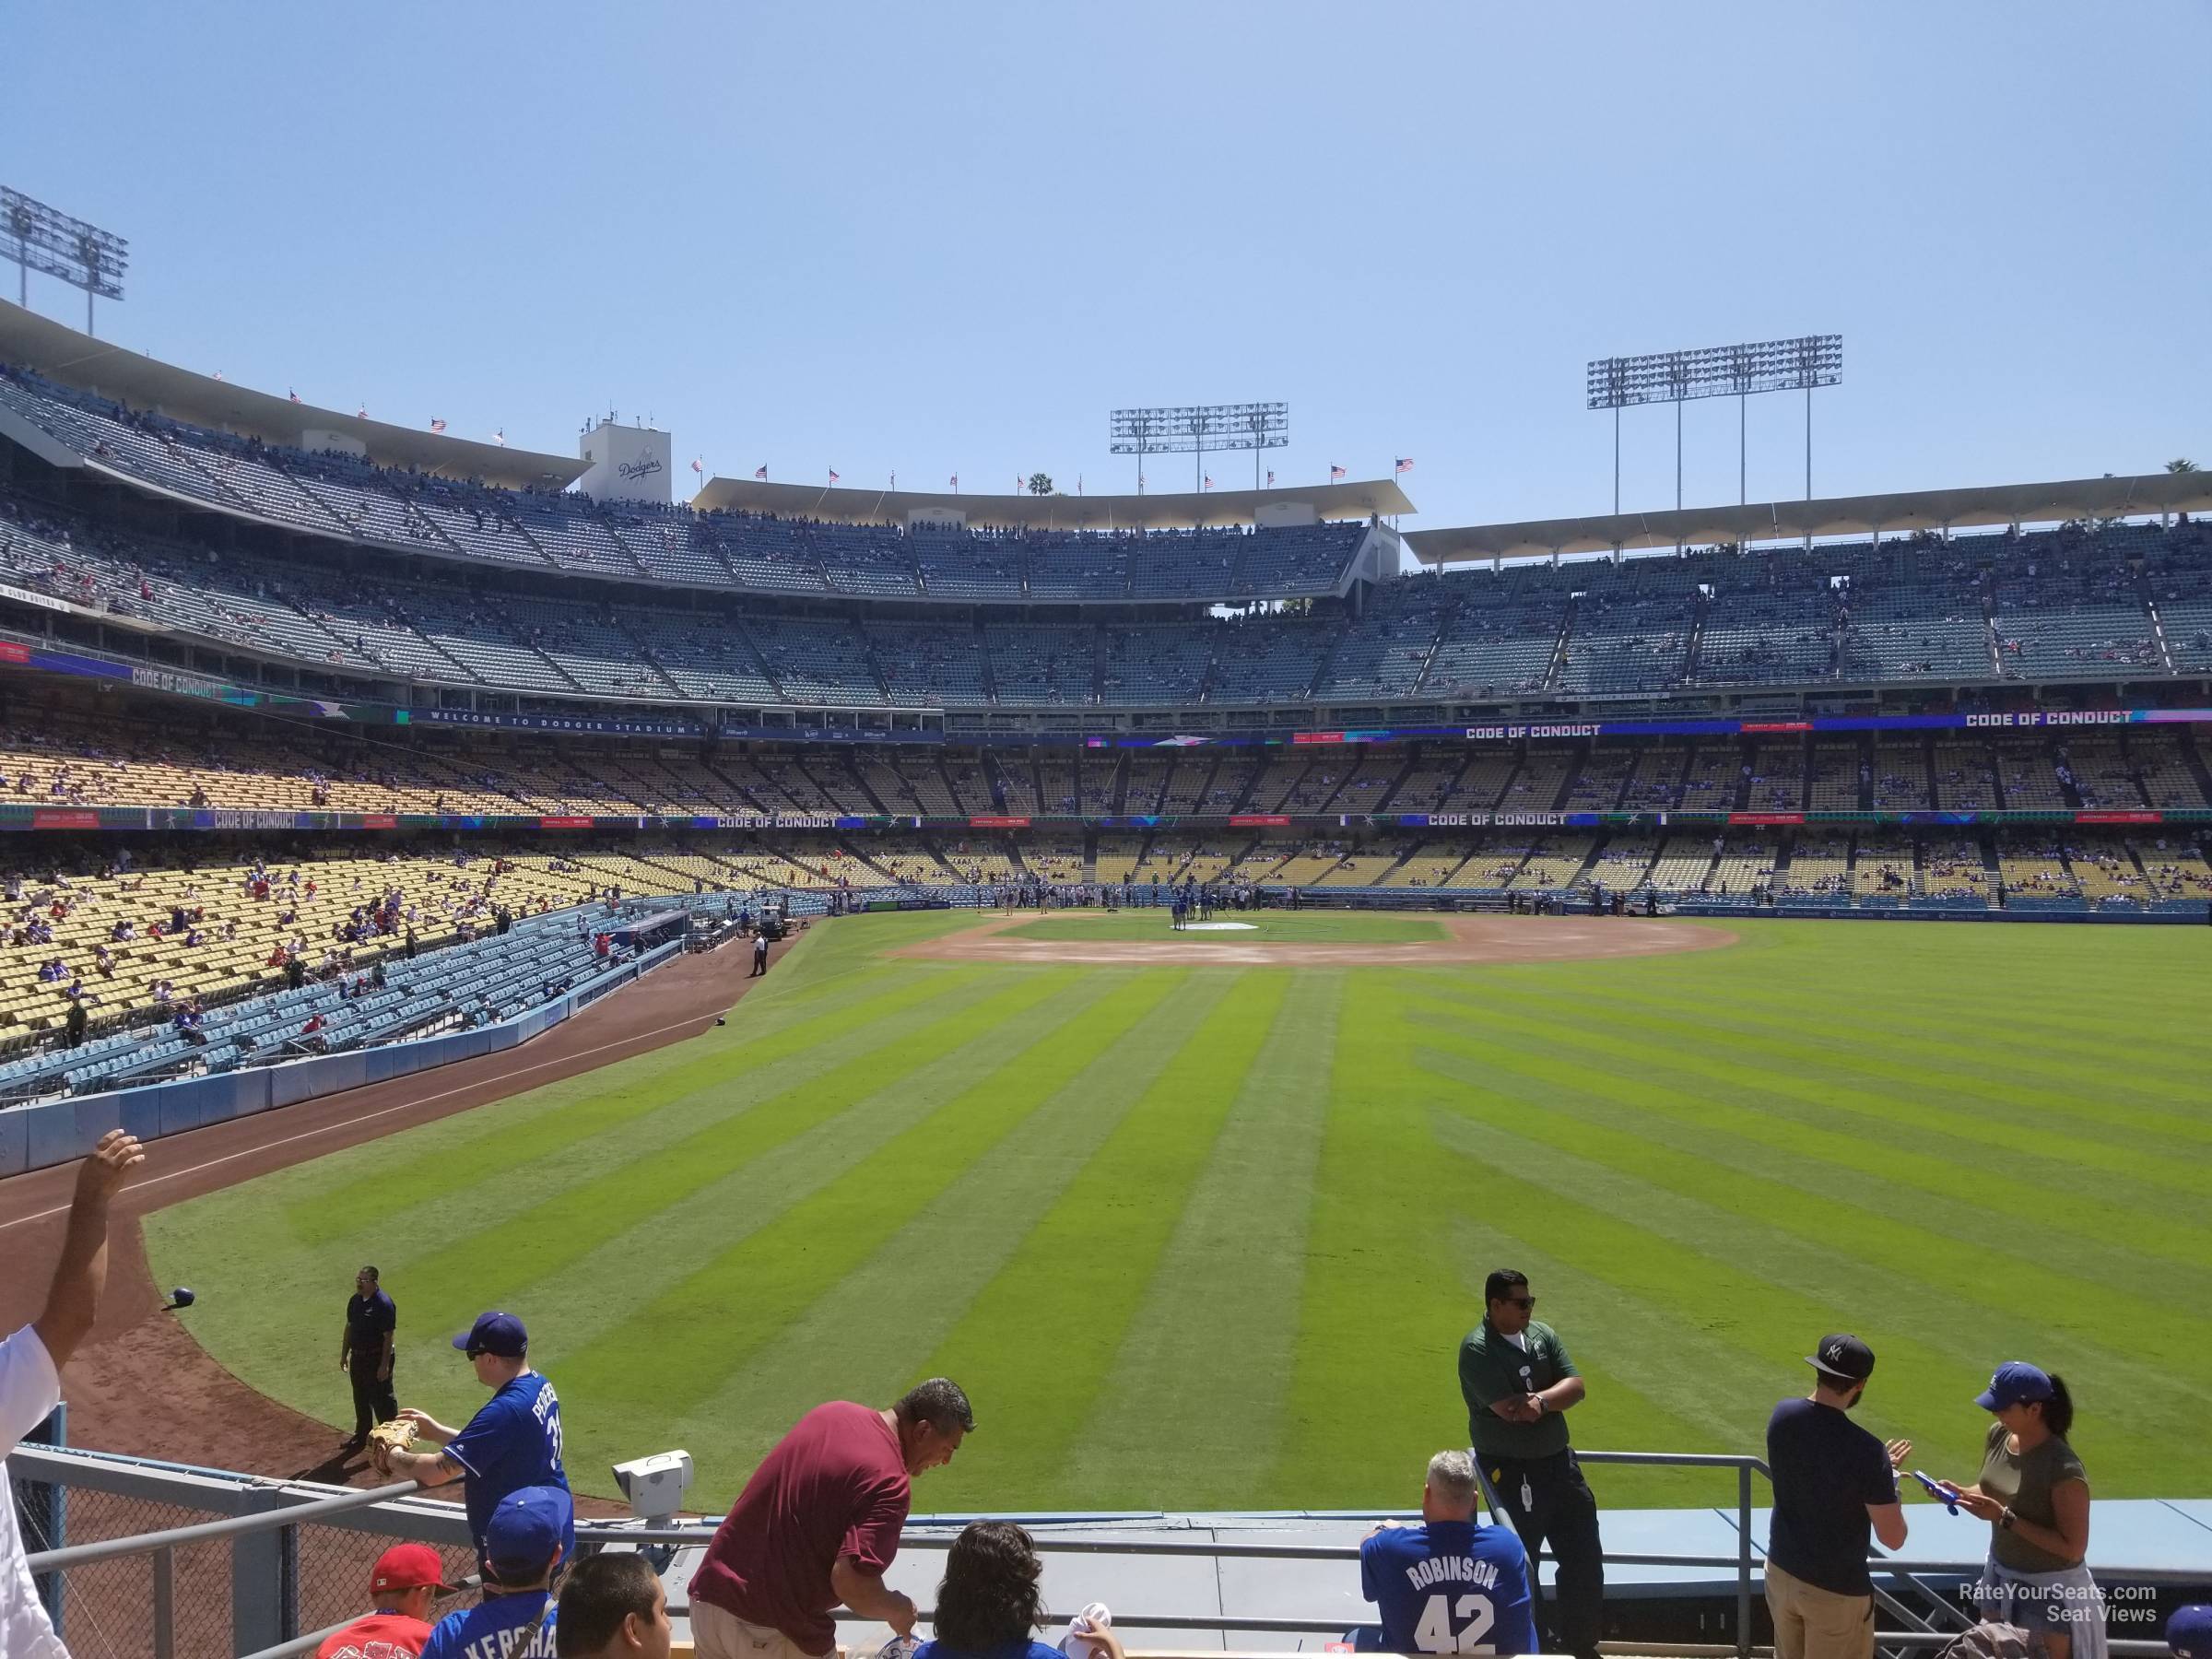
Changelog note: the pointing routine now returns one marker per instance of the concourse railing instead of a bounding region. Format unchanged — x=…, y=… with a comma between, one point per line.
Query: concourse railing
x=266, y=1569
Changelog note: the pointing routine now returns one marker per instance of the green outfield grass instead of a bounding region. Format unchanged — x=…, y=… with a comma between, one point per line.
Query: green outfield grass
x=1209, y=1238
x=1260, y=927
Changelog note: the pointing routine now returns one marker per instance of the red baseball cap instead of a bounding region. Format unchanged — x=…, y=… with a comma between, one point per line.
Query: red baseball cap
x=405, y=1566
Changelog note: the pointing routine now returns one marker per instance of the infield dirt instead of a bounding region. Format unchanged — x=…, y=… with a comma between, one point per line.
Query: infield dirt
x=1469, y=940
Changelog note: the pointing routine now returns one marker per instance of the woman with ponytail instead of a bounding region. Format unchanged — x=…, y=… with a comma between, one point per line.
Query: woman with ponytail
x=2035, y=1494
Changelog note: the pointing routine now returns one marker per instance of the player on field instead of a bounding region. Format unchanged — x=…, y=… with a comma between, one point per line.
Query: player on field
x=1450, y=1586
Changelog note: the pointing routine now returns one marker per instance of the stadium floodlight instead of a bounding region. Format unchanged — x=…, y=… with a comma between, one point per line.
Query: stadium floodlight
x=1735, y=371
x=38, y=237
x=1197, y=427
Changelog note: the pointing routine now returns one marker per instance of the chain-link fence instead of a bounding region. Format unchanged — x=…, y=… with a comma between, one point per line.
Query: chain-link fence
x=106, y=1608
x=334, y=1564
x=207, y=1598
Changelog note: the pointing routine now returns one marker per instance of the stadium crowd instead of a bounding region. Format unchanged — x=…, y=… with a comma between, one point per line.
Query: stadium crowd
x=1921, y=610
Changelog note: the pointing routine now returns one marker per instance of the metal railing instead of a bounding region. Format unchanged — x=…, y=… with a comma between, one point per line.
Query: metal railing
x=266, y=1589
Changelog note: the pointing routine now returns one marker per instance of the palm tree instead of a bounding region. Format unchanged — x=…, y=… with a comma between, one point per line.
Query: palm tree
x=2181, y=464
x=1041, y=484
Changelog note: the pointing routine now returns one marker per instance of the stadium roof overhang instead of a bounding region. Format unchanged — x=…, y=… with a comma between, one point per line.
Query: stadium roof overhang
x=1843, y=515
x=1186, y=512
x=81, y=361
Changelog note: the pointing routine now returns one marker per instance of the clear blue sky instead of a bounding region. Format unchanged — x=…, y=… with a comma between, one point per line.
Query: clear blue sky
x=940, y=238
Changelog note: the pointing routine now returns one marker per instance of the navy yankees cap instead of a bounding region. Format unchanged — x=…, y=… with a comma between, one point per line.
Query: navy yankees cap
x=1843, y=1356
x=500, y=1333
x=2017, y=1383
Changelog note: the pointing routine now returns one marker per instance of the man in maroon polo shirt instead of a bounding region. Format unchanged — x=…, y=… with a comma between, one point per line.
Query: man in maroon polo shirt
x=818, y=1524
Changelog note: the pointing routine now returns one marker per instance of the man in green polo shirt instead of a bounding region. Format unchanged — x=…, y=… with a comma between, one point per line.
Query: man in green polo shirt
x=1518, y=1382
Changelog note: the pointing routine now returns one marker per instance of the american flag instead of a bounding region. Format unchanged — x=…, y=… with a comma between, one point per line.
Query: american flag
x=295, y=397
x=956, y=480
x=218, y=374
x=1405, y=463
x=1078, y=483
x=437, y=425
x=1336, y=472
x=697, y=467
x=500, y=437
x=1271, y=477
x=362, y=413
x=1209, y=480
x=759, y=472
x=833, y=475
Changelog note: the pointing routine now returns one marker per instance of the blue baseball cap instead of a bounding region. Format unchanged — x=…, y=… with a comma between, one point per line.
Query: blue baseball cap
x=2189, y=1632
x=526, y=1530
x=2017, y=1383
x=500, y=1333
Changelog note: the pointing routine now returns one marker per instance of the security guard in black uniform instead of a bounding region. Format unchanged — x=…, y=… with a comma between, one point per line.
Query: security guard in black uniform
x=1517, y=1379
x=364, y=1356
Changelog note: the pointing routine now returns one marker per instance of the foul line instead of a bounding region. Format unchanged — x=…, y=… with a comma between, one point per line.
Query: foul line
x=261, y=1146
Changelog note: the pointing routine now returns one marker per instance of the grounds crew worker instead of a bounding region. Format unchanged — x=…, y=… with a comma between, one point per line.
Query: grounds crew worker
x=1517, y=1379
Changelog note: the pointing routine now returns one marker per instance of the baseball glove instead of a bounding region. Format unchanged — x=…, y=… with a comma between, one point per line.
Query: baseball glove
x=397, y=1435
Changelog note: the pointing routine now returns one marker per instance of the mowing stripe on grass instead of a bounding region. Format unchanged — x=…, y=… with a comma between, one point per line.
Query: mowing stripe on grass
x=1969, y=1193
x=1228, y=1282
x=2044, y=1022
x=1754, y=1273
x=1723, y=1219
x=1971, y=1274
x=1853, y=1123
x=1372, y=1392
x=1071, y=1289
x=1062, y=1186
x=2005, y=1069
x=862, y=1339
x=740, y=1299
x=595, y=1202
x=1984, y=1089
x=2021, y=988
x=485, y=1147
x=548, y=1277
x=660, y=1251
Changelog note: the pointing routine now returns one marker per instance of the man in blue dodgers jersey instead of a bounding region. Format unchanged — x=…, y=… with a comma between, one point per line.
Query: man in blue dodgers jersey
x=1449, y=1585
x=524, y=1546
x=513, y=1441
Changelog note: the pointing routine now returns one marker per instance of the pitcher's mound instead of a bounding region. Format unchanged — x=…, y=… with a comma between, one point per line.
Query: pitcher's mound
x=1470, y=940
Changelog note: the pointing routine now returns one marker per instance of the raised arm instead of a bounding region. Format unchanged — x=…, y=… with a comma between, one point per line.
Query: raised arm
x=73, y=1300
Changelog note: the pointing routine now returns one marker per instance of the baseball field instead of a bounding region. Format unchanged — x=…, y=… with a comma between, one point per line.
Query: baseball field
x=1205, y=1235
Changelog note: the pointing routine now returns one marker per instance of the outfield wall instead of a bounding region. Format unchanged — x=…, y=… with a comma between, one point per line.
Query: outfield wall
x=1575, y=902
x=52, y=1132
